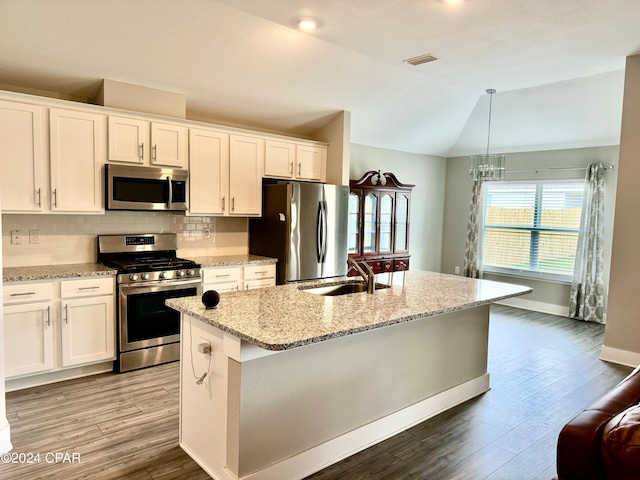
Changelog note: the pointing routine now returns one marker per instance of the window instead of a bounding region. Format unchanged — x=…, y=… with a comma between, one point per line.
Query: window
x=531, y=228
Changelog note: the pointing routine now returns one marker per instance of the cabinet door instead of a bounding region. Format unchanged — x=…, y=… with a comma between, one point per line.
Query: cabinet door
x=311, y=162
x=370, y=223
x=246, y=161
x=77, y=158
x=28, y=339
x=279, y=159
x=168, y=145
x=21, y=157
x=128, y=140
x=353, y=226
x=88, y=330
x=208, y=172
x=385, y=244
x=401, y=239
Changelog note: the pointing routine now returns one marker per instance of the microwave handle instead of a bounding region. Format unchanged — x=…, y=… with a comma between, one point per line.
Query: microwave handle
x=170, y=200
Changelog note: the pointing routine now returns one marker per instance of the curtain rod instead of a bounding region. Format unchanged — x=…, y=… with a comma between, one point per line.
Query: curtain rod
x=536, y=170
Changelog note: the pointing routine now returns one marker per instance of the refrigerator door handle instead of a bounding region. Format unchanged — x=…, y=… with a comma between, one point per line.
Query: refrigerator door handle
x=322, y=231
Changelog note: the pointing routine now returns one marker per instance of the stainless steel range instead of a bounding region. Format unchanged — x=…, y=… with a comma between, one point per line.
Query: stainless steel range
x=148, y=273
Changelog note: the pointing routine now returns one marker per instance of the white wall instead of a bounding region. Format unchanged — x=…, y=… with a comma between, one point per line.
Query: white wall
x=547, y=296
x=428, y=174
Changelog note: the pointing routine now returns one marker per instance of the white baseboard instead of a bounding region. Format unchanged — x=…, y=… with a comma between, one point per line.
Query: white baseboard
x=542, y=307
x=621, y=357
x=334, y=450
x=5, y=437
x=57, y=376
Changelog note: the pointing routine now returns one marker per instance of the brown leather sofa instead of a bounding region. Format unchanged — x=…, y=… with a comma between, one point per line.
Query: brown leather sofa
x=603, y=441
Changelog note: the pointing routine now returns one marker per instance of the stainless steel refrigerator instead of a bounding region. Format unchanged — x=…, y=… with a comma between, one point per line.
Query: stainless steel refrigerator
x=304, y=226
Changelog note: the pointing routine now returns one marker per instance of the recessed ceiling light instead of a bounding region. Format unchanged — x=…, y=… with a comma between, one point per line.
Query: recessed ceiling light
x=306, y=24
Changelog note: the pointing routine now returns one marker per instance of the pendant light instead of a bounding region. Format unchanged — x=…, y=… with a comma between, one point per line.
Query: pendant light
x=487, y=167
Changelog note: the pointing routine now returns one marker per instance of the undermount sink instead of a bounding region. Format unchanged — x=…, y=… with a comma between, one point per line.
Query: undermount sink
x=341, y=289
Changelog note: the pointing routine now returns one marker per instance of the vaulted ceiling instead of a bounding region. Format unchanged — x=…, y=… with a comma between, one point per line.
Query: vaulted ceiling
x=558, y=65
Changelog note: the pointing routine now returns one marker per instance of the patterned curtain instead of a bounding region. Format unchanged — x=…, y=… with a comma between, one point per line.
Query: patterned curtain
x=586, y=300
x=472, y=265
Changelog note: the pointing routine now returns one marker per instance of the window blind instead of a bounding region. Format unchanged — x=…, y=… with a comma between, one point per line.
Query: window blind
x=532, y=228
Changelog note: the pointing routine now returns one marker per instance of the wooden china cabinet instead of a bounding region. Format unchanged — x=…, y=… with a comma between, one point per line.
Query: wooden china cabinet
x=378, y=232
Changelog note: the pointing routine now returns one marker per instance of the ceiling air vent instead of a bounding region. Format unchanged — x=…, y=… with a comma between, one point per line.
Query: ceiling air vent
x=419, y=60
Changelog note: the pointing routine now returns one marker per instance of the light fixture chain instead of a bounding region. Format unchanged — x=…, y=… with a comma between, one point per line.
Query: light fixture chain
x=491, y=91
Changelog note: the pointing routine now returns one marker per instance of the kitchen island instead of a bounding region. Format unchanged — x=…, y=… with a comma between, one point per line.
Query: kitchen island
x=297, y=381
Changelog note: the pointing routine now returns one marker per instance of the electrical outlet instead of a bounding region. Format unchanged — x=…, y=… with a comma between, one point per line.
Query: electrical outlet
x=457, y=270
x=206, y=232
x=34, y=236
x=16, y=237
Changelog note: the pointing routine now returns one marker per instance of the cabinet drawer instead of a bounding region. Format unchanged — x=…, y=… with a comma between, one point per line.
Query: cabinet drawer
x=26, y=292
x=86, y=287
x=401, y=264
x=259, y=271
x=221, y=275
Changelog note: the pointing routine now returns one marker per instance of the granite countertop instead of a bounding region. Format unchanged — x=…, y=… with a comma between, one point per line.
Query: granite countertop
x=233, y=260
x=51, y=272
x=285, y=317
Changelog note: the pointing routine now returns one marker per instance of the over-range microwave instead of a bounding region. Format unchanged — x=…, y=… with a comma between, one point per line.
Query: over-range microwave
x=145, y=188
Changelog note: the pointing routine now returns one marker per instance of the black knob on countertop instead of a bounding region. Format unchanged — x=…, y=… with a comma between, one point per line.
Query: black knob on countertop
x=211, y=299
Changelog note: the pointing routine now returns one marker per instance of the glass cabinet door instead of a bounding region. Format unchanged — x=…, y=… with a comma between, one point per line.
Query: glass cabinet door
x=386, y=222
x=402, y=223
x=369, y=219
x=353, y=229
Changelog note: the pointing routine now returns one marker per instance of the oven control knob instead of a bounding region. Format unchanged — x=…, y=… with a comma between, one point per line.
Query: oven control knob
x=133, y=277
x=192, y=273
x=181, y=273
x=145, y=276
x=163, y=275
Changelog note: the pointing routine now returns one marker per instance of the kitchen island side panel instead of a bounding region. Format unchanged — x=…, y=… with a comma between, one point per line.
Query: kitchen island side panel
x=285, y=403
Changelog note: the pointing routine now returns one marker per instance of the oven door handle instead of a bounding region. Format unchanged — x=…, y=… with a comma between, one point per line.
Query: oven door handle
x=166, y=285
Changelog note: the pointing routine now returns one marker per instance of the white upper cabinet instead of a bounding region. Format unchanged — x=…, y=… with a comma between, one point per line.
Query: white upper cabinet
x=128, y=140
x=311, y=161
x=246, y=164
x=21, y=160
x=77, y=147
x=279, y=159
x=208, y=172
x=295, y=161
x=168, y=145
x=137, y=141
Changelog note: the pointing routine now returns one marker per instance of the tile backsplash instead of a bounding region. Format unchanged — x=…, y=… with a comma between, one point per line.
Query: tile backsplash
x=72, y=238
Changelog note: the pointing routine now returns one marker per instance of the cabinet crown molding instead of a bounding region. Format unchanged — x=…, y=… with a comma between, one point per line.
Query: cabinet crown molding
x=373, y=178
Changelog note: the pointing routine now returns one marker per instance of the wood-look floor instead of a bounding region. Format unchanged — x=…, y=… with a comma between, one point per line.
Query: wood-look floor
x=544, y=370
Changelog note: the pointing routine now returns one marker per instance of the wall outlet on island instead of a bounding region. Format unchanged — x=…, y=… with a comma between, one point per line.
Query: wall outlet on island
x=457, y=269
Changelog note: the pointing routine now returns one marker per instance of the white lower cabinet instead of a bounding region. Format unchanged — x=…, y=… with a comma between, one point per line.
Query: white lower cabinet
x=55, y=325
x=28, y=339
x=228, y=279
x=88, y=333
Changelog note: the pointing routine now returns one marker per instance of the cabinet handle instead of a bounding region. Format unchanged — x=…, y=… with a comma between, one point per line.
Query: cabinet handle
x=233, y=204
x=223, y=203
x=66, y=314
x=299, y=167
x=237, y=287
x=261, y=273
x=89, y=288
x=22, y=294
x=154, y=153
x=223, y=276
x=55, y=197
x=48, y=316
x=141, y=152
x=291, y=168
x=38, y=192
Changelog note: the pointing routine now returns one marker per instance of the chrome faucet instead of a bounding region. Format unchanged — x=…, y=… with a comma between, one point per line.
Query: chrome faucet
x=369, y=276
